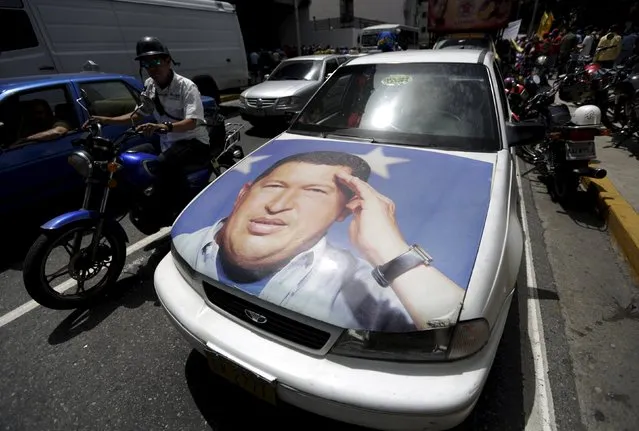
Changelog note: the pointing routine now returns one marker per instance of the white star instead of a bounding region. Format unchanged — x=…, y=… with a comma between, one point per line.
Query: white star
x=379, y=162
x=247, y=162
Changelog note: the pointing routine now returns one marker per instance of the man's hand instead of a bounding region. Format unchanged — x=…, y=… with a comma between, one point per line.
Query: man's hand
x=373, y=230
x=102, y=120
x=149, y=129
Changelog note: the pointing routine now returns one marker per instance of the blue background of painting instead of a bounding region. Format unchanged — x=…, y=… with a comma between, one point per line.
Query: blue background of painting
x=441, y=199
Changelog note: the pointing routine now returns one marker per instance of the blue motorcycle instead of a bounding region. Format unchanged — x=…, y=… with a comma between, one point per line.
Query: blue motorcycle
x=92, y=238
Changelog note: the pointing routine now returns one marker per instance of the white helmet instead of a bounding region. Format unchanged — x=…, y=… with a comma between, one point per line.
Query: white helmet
x=587, y=115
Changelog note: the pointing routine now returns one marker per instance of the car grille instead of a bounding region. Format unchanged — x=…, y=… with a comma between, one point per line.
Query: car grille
x=265, y=103
x=276, y=324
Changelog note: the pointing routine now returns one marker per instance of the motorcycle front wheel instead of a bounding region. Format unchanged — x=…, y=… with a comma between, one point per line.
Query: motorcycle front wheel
x=90, y=268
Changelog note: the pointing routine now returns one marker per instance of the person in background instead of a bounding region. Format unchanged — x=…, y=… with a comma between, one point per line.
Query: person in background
x=254, y=58
x=608, y=48
x=586, y=44
x=627, y=45
x=568, y=44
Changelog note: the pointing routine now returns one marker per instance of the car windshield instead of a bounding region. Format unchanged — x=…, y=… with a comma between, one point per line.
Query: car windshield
x=439, y=105
x=463, y=44
x=297, y=70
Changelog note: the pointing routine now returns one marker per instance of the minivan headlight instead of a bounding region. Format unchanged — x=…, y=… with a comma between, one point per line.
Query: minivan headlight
x=446, y=344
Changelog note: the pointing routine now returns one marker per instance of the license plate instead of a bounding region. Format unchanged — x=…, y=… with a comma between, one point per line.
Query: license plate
x=580, y=150
x=251, y=382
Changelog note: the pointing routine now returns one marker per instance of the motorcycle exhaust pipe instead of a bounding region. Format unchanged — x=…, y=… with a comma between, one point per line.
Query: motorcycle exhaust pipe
x=597, y=173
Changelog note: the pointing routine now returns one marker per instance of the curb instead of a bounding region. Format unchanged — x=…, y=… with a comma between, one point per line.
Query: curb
x=229, y=97
x=623, y=220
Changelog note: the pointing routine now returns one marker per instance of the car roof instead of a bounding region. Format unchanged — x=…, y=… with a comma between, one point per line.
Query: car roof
x=35, y=81
x=426, y=56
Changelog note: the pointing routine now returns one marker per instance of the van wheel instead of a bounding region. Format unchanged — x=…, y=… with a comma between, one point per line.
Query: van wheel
x=208, y=87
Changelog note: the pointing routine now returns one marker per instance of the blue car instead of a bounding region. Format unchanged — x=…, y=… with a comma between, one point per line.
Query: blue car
x=35, y=172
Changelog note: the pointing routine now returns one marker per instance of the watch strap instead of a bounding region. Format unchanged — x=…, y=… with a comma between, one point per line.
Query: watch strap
x=385, y=274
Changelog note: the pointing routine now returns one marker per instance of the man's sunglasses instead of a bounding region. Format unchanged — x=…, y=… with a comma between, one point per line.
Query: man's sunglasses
x=147, y=64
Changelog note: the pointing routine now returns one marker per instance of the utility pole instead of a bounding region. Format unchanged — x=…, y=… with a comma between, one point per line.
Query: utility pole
x=533, y=19
x=297, y=28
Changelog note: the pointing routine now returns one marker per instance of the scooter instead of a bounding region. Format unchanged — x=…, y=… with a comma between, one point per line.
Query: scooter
x=92, y=237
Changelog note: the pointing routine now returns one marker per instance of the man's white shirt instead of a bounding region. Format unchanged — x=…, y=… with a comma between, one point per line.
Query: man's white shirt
x=181, y=99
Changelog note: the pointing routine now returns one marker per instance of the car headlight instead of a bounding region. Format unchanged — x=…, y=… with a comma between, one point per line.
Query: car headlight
x=445, y=344
x=187, y=272
x=289, y=101
x=81, y=162
x=242, y=100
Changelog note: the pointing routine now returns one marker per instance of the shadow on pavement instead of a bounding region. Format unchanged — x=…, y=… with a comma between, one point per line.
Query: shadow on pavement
x=131, y=291
x=500, y=407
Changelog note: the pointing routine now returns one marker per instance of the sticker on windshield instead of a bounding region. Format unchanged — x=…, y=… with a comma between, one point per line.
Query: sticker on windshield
x=396, y=80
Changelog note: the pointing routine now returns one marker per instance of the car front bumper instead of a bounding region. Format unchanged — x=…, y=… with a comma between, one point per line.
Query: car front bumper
x=374, y=394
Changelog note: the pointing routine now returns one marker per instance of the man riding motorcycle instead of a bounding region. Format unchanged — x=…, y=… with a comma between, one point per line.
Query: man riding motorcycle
x=178, y=110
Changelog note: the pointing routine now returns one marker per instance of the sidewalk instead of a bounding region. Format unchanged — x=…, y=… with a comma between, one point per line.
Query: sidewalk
x=618, y=194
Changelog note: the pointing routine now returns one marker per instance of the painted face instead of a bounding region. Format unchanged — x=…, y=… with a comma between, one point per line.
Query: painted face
x=282, y=215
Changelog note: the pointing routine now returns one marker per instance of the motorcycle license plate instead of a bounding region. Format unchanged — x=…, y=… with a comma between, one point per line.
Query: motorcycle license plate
x=580, y=150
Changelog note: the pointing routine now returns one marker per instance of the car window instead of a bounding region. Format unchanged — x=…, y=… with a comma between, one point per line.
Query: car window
x=331, y=66
x=297, y=70
x=28, y=113
x=16, y=31
x=109, y=98
x=439, y=105
x=502, y=90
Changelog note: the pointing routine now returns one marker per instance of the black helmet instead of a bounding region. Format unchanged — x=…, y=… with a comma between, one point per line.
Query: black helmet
x=148, y=46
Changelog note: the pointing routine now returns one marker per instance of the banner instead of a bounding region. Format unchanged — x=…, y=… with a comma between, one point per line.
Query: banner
x=457, y=15
x=512, y=30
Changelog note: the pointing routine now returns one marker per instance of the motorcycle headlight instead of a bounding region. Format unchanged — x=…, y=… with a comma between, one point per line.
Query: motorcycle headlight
x=446, y=344
x=81, y=162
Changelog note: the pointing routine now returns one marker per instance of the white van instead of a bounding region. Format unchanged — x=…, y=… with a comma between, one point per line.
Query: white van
x=59, y=36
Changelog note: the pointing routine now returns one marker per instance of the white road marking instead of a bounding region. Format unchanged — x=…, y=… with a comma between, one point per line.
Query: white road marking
x=66, y=285
x=542, y=412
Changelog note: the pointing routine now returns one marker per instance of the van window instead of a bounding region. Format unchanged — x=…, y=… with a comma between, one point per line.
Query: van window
x=109, y=98
x=16, y=31
x=28, y=113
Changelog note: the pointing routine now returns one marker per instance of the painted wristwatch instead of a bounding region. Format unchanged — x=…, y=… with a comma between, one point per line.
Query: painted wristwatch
x=385, y=274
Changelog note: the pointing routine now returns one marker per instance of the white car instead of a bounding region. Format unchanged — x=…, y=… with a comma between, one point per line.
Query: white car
x=362, y=264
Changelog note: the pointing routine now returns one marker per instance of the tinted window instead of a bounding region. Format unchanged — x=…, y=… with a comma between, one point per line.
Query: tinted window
x=16, y=31
x=295, y=70
x=109, y=99
x=26, y=114
x=433, y=105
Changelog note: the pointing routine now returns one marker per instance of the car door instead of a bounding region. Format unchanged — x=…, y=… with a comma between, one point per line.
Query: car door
x=32, y=171
x=22, y=48
x=112, y=98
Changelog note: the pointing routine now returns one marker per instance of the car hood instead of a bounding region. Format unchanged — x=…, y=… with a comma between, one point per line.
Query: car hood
x=328, y=245
x=275, y=89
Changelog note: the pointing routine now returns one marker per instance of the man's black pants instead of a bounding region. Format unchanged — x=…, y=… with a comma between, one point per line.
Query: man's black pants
x=171, y=163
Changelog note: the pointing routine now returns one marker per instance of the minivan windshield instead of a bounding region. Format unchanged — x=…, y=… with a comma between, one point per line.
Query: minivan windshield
x=296, y=70
x=439, y=105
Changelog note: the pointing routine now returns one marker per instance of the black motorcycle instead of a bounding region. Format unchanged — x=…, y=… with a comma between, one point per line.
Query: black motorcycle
x=565, y=154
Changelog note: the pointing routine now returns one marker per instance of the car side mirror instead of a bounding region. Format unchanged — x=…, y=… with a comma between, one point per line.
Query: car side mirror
x=525, y=133
x=266, y=77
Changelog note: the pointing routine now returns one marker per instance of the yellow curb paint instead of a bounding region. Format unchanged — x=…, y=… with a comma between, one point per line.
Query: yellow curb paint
x=623, y=220
x=229, y=97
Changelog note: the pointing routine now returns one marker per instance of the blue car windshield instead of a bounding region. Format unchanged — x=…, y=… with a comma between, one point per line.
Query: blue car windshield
x=441, y=105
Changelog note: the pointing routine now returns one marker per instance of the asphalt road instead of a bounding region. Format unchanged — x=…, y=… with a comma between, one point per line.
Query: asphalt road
x=122, y=366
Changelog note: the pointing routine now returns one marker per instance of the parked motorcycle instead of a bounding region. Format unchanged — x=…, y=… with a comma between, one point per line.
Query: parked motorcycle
x=92, y=237
x=569, y=146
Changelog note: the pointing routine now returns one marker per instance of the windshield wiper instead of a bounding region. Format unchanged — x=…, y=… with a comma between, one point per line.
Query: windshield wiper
x=354, y=138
